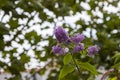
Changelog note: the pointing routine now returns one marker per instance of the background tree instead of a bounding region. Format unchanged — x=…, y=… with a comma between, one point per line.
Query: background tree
x=25, y=23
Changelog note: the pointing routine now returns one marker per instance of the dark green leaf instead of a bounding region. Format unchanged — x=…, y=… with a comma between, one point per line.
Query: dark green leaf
x=13, y=23
x=3, y=29
x=25, y=58
x=117, y=66
x=88, y=66
x=65, y=71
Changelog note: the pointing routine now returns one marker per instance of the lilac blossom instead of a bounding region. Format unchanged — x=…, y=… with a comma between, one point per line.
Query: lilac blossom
x=77, y=38
x=58, y=50
x=93, y=50
x=79, y=47
x=61, y=35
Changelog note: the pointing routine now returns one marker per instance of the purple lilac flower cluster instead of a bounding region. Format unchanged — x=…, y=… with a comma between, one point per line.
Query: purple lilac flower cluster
x=93, y=50
x=63, y=37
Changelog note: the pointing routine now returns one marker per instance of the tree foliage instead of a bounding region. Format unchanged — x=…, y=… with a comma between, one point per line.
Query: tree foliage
x=31, y=22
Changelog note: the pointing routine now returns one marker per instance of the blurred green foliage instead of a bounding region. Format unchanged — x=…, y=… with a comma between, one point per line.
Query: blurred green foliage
x=107, y=32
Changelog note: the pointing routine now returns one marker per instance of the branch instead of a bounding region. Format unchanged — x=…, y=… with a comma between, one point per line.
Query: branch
x=106, y=74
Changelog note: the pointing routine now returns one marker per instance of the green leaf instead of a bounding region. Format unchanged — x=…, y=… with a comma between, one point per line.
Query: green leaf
x=117, y=66
x=84, y=52
x=67, y=59
x=2, y=44
x=33, y=37
x=3, y=29
x=16, y=66
x=116, y=57
x=3, y=3
x=25, y=58
x=88, y=67
x=65, y=71
x=13, y=23
x=114, y=78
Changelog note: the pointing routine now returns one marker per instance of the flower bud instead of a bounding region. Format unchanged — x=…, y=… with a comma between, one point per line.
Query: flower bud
x=79, y=47
x=61, y=35
x=77, y=38
x=58, y=50
x=93, y=50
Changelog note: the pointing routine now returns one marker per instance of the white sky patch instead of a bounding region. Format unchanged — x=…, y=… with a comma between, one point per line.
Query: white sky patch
x=31, y=53
x=119, y=4
x=39, y=48
x=34, y=63
x=15, y=44
x=27, y=14
x=85, y=5
x=94, y=34
x=43, y=54
x=20, y=49
x=43, y=43
x=7, y=37
x=19, y=11
x=110, y=0
x=87, y=32
x=112, y=9
x=60, y=18
x=6, y=18
x=26, y=45
x=97, y=13
x=114, y=31
x=49, y=13
x=45, y=23
x=99, y=21
x=84, y=16
x=100, y=4
x=72, y=19
x=1, y=14
x=8, y=48
x=22, y=21
x=87, y=0
x=6, y=59
x=35, y=28
x=56, y=5
x=45, y=32
x=36, y=19
x=58, y=22
x=21, y=36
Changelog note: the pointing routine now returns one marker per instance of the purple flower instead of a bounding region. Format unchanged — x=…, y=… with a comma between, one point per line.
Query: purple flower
x=77, y=38
x=61, y=35
x=93, y=50
x=58, y=50
x=78, y=47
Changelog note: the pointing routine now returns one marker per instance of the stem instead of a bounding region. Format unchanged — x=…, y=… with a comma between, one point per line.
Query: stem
x=75, y=63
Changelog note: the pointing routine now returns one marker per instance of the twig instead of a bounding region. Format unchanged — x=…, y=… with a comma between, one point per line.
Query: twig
x=33, y=75
x=105, y=74
x=75, y=63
